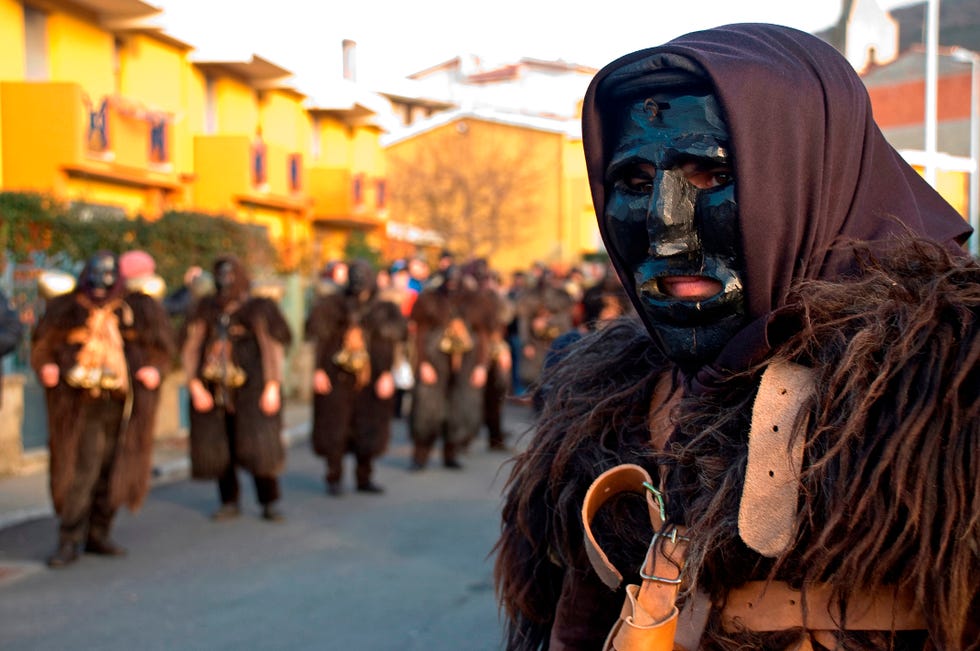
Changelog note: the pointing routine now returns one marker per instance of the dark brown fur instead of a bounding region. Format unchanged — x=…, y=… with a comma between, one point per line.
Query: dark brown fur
x=259, y=446
x=891, y=489
x=594, y=419
x=149, y=342
x=351, y=416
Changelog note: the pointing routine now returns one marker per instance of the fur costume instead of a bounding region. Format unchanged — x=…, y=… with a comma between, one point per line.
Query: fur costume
x=453, y=331
x=543, y=313
x=853, y=269
x=147, y=340
x=352, y=418
x=897, y=354
x=257, y=333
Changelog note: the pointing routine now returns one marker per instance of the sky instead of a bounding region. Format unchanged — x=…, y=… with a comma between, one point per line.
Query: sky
x=396, y=38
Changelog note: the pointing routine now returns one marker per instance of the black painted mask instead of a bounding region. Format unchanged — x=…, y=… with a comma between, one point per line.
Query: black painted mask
x=360, y=278
x=101, y=276
x=671, y=219
x=225, y=278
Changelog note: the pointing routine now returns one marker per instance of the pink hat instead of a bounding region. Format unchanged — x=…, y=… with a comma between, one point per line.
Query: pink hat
x=135, y=264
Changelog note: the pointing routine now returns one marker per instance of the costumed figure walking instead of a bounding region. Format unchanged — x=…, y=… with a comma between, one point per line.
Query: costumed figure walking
x=453, y=324
x=783, y=452
x=233, y=356
x=100, y=354
x=355, y=334
x=499, y=359
x=544, y=312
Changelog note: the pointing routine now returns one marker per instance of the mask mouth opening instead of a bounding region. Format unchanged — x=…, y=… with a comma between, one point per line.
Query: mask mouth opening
x=688, y=300
x=678, y=287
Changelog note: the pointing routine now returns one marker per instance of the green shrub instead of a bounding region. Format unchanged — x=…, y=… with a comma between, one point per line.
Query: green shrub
x=38, y=227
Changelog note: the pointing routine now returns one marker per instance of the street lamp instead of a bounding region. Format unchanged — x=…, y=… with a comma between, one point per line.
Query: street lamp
x=973, y=58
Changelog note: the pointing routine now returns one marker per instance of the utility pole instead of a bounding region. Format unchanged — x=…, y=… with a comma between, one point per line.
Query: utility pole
x=932, y=65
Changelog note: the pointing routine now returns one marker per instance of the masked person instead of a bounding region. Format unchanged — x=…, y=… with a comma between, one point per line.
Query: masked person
x=544, y=312
x=100, y=354
x=233, y=356
x=499, y=360
x=355, y=333
x=797, y=414
x=453, y=324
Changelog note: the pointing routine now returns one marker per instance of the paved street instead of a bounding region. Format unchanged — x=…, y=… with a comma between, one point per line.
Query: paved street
x=410, y=569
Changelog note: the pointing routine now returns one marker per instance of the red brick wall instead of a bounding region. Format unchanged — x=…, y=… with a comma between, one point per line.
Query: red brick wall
x=904, y=104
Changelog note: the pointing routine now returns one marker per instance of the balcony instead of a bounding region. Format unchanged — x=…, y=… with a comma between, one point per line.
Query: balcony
x=236, y=170
x=343, y=198
x=112, y=150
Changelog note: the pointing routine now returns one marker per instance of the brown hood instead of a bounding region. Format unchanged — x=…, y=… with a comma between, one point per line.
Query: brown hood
x=243, y=281
x=811, y=166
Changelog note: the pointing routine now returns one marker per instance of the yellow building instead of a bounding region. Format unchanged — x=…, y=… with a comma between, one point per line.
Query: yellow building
x=89, y=99
x=249, y=157
x=347, y=171
x=103, y=109
x=510, y=188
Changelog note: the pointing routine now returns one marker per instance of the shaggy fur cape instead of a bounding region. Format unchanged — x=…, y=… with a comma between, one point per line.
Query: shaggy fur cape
x=348, y=415
x=890, y=493
x=148, y=341
x=450, y=405
x=258, y=445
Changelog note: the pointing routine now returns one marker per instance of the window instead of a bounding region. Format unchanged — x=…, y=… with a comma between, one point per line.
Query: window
x=315, y=145
x=210, y=106
x=379, y=189
x=295, y=172
x=358, y=189
x=259, y=176
x=117, y=59
x=158, y=140
x=98, y=126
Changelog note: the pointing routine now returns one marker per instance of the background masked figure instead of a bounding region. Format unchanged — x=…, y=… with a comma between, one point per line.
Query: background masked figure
x=355, y=334
x=233, y=357
x=802, y=392
x=453, y=324
x=499, y=363
x=100, y=356
x=544, y=312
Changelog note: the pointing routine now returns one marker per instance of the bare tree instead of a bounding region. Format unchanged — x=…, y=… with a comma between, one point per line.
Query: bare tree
x=476, y=187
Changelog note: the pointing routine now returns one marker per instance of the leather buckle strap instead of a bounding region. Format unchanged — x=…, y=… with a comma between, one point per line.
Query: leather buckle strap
x=674, y=553
x=623, y=478
x=649, y=617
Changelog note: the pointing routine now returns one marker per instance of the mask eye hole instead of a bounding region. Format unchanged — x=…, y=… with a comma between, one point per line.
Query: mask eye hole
x=705, y=175
x=635, y=178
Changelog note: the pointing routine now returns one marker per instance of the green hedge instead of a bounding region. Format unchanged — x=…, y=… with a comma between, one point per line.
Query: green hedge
x=33, y=224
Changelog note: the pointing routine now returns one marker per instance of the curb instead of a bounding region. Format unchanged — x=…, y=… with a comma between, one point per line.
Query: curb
x=20, y=516
x=160, y=474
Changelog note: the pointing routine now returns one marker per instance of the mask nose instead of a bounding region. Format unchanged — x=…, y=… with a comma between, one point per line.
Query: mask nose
x=670, y=215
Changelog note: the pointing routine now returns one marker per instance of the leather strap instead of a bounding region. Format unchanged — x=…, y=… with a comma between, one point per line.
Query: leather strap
x=627, y=477
x=775, y=606
x=767, y=510
x=648, y=619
